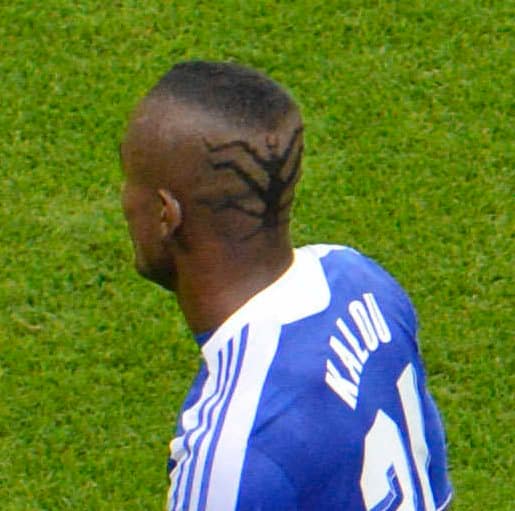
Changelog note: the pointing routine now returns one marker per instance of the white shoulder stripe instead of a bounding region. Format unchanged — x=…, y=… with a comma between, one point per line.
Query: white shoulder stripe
x=199, y=481
x=190, y=478
x=229, y=454
x=195, y=422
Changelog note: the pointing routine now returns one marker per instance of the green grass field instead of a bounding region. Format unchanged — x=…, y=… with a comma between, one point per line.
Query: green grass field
x=408, y=108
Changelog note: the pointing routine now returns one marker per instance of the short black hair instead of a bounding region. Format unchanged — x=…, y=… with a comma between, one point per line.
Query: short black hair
x=238, y=94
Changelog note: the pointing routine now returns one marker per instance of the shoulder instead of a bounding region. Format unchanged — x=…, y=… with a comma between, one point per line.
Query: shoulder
x=347, y=261
x=353, y=274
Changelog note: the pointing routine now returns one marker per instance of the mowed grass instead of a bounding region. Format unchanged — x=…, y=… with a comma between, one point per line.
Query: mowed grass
x=409, y=158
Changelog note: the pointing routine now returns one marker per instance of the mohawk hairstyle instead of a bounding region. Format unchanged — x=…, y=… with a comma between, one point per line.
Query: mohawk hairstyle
x=240, y=95
x=249, y=101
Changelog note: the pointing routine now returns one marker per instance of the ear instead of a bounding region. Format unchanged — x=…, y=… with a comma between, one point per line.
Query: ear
x=171, y=214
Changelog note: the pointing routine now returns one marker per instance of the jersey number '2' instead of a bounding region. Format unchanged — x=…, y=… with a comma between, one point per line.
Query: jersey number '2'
x=386, y=479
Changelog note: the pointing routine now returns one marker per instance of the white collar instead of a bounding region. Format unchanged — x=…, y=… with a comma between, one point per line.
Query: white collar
x=301, y=291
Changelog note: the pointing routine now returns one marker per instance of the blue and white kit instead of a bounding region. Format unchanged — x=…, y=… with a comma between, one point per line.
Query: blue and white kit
x=312, y=397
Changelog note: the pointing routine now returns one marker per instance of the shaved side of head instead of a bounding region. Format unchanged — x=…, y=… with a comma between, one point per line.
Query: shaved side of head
x=227, y=140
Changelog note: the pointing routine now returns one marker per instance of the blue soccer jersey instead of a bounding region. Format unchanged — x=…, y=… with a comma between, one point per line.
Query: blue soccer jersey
x=312, y=397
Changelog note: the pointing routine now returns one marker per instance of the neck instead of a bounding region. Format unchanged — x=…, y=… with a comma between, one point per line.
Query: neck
x=212, y=288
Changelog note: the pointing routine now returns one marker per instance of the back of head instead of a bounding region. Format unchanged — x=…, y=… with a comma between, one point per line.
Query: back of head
x=229, y=145
x=253, y=155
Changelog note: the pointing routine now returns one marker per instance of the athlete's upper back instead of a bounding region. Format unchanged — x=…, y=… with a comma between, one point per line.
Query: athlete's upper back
x=313, y=398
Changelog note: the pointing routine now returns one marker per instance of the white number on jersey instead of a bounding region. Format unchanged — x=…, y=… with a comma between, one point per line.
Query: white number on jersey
x=386, y=466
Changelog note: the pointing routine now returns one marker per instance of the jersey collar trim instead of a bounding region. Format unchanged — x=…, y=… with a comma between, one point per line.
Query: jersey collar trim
x=301, y=291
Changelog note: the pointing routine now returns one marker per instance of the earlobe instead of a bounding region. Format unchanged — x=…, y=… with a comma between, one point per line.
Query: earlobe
x=171, y=214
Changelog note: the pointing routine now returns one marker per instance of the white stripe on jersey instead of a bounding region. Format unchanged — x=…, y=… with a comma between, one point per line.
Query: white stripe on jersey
x=194, y=422
x=197, y=482
x=446, y=502
x=224, y=480
x=204, y=420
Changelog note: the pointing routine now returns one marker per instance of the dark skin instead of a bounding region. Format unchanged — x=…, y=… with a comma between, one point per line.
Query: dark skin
x=180, y=244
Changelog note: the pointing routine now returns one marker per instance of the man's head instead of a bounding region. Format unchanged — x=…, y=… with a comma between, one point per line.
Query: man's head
x=211, y=158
